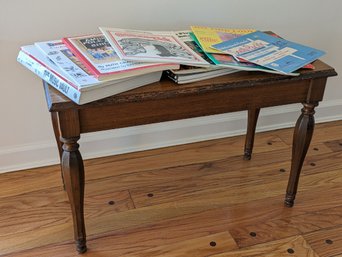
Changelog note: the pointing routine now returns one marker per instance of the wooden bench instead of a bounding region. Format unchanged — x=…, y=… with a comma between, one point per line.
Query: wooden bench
x=166, y=101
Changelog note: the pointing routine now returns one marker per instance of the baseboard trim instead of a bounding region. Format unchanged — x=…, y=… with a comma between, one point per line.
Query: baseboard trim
x=165, y=134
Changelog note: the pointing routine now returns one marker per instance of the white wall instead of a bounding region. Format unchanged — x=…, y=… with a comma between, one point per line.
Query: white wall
x=26, y=138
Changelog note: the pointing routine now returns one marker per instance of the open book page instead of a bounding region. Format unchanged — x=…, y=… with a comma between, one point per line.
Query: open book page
x=151, y=46
x=102, y=60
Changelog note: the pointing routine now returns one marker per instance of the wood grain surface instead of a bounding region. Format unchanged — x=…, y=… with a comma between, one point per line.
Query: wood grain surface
x=198, y=199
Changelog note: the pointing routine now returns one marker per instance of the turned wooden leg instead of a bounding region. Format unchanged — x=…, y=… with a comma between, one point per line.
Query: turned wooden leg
x=73, y=173
x=54, y=119
x=301, y=141
x=253, y=115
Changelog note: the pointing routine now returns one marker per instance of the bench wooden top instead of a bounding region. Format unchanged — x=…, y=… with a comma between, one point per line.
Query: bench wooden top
x=168, y=89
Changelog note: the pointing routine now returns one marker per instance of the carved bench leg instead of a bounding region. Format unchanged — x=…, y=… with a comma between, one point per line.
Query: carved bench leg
x=73, y=173
x=253, y=115
x=301, y=141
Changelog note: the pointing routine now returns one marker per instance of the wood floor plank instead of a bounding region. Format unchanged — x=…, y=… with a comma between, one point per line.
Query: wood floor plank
x=318, y=148
x=21, y=182
x=231, y=216
x=209, y=189
x=225, y=172
x=278, y=228
x=96, y=168
x=191, y=204
x=200, y=247
x=125, y=232
x=28, y=219
x=328, y=131
x=27, y=181
x=233, y=190
x=293, y=246
x=326, y=242
x=334, y=145
x=189, y=171
x=199, y=191
x=322, y=163
x=183, y=155
x=165, y=232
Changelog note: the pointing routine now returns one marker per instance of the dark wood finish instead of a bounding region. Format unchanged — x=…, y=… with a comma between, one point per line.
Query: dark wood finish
x=73, y=172
x=301, y=141
x=163, y=101
x=166, y=89
x=253, y=115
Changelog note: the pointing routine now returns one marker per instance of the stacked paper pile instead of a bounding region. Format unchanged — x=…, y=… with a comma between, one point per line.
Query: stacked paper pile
x=91, y=67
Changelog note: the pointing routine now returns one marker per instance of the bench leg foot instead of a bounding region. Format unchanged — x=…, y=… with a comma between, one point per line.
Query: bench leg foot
x=253, y=115
x=81, y=246
x=289, y=200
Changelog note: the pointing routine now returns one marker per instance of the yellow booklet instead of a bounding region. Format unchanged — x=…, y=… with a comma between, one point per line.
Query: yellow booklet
x=208, y=36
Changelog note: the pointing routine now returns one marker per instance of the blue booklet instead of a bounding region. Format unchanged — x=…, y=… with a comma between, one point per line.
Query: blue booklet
x=227, y=61
x=270, y=52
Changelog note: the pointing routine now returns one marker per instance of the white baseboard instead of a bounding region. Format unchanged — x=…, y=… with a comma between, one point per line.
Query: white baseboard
x=162, y=134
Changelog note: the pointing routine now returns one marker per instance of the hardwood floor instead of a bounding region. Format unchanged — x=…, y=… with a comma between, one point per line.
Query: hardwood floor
x=198, y=199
